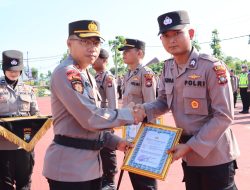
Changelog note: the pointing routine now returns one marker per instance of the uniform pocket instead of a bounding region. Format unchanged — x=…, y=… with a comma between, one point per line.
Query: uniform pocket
x=195, y=101
x=25, y=101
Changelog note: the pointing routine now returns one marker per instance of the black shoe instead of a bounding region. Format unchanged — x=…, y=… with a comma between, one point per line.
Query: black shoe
x=244, y=112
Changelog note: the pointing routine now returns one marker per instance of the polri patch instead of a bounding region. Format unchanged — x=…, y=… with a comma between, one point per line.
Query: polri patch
x=109, y=81
x=148, y=79
x=77, y=85
x=220, y=71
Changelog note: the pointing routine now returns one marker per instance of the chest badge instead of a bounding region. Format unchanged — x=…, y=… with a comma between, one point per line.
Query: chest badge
x=195, y=104
x=194, y=76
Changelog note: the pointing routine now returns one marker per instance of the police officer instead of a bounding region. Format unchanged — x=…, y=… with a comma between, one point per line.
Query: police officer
x=16, y=99
x=235, y=85
x=73, y=161
x=243, y=86
x=196, y=88
x=107, y=88
x=139, y=87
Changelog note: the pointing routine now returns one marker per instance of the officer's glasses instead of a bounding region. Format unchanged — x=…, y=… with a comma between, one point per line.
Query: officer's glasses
x=88, y=43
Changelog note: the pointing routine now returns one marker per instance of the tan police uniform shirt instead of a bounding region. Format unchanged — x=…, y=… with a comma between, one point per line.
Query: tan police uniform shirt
x=139, y=86
x=75, y=113
x=107, y=88
x=20, y=101
x=201, y=101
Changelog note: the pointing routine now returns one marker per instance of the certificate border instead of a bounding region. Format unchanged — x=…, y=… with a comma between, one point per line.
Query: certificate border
x=137, y=141
x=160, y=119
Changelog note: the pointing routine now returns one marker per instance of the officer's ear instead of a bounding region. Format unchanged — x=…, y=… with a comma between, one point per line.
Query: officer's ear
x=191, y=33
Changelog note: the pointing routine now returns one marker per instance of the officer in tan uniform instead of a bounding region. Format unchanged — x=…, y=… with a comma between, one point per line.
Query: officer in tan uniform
x=16, y=99
x=73, y=161
x=107, y=88
x=139, y=87
x=197, y=89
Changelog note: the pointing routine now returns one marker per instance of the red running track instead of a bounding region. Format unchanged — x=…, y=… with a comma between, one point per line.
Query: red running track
x=240, y=127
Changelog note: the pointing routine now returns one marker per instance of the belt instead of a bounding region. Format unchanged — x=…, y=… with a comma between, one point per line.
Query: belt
x=78, y=143
x=185, y=138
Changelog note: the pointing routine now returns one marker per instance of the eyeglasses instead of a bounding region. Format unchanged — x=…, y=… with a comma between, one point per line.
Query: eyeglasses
x=88, y=43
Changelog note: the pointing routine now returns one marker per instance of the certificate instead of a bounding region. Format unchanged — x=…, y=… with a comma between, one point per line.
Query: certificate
x=149, y=156
x=129, y=131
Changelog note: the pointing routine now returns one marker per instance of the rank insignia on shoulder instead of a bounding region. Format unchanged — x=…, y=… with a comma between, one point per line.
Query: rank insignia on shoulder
x=148, y=79
x=109, y=81
x=77, y=85
x=195, y=104
x=194, y=76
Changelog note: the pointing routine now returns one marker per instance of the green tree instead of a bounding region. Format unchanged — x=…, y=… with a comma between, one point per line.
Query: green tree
x=196, y=44
x=65, y=55
x=215, y=45
x=119, y=68
x=157, y=67
x=34, y=73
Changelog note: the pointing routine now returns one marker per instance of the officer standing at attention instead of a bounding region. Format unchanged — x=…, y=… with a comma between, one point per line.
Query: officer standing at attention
x=73, y=161
x=16, y=99
x=197, y=89
x=107, y=88
x=139, y=87
x=235, y=85
x=243, y=86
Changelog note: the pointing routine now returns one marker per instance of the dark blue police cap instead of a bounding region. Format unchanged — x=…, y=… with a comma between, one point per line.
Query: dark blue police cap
x=132, y=43
x=103, y=54
x=12, y=60
x=175, y=20
x=85, y=28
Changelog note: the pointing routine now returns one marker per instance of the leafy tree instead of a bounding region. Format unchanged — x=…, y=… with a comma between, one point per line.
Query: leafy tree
x=215, y=45
x=196, y=44
x=34, y=72
x=157, y=67
x=119, y=68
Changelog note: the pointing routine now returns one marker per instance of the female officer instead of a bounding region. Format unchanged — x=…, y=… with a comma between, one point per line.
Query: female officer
x=16, y=99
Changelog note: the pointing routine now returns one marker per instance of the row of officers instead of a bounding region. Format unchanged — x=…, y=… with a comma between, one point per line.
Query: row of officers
x=195, y=87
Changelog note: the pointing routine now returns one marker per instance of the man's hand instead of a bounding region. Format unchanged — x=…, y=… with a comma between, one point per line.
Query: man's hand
x=179, y=151
x=137, y=111
x=124, y=145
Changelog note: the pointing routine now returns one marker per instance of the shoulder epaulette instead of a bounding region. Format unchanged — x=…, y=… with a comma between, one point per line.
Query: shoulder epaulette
x=208, y=57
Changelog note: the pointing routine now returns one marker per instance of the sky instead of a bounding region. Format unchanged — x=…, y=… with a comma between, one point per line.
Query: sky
x=40, y=28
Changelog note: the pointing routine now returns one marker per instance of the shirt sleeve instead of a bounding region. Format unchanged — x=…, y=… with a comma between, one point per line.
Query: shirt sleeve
x=111, y=93
x=82, y=107
x=34, y=110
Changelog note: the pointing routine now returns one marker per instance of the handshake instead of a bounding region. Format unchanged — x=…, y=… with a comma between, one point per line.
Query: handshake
x=137, y=111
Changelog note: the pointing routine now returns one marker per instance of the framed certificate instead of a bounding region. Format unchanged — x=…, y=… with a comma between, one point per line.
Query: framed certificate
x=149, y=156
x=129, y=131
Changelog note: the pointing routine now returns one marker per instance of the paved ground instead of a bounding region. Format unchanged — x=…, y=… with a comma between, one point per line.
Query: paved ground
x=241, y=128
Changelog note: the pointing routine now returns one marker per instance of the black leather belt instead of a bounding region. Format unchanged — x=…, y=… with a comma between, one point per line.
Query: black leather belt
x=185, y=138
x=78, y=143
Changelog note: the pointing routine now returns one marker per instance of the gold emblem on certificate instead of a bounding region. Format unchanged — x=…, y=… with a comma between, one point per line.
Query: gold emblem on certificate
x=149, y=156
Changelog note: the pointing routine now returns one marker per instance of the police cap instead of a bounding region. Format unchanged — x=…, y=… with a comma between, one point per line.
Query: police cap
x=12, y=60
x=175, y=20
x=103, y=54
x=85, y=28
x=132, y=43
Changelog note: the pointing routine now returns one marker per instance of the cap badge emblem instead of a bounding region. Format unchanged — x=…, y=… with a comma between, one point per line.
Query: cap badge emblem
x=13, y=62
x=167, y=21
x=92, y=26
